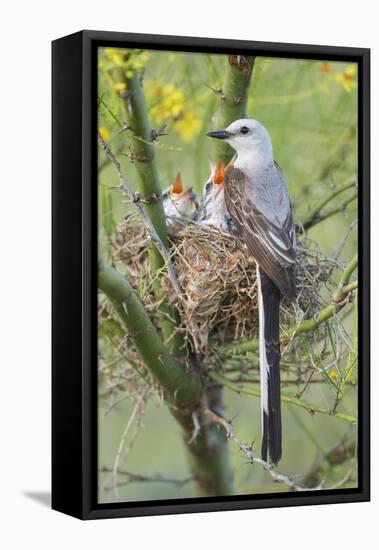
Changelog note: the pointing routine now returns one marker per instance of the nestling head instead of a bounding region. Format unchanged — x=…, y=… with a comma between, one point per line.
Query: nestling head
x=178, y=201
x=216, y=178
x=246, y=136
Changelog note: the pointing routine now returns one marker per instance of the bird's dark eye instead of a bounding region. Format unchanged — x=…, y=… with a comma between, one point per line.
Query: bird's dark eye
x=164, y=196
x=208, y=186
x=244, y=130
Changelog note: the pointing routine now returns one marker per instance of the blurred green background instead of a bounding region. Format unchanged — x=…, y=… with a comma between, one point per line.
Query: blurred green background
x=310, y=111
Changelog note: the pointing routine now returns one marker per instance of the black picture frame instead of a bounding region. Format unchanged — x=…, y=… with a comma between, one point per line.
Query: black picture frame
x=74, y=333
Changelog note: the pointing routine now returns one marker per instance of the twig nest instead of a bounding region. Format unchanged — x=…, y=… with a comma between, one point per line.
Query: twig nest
x=218, y=278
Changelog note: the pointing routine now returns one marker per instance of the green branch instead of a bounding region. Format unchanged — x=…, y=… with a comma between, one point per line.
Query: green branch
x=143, y=154
x=338, y=301
x=205, y=445
x=316, y=216
x=337, y=455
x=312, y=409
x=166, y=369
x=233, y=99
x=146, y=218
x=143, y=157
x=342, y=288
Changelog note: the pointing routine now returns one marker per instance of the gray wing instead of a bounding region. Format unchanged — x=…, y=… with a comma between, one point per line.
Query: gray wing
x=261, y=210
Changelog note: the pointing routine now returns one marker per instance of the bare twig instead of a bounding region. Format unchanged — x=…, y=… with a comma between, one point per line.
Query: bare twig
x=148, y=223
x=276, y=476
x=291, y=400
x=317, y=216
x=138, y=478
x=252, y=459
x=339, y=299
x=339, y=454
x=129, y=424
x=196, y=428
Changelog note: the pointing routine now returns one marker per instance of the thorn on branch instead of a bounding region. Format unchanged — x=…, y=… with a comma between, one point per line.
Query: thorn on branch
x=218, y=91
x=248, y=451
x=242, y=63
x=133, y=156
x=156, y=133
x=238, y=100
x=125, y=127
x=151, y=199
x=196, y=428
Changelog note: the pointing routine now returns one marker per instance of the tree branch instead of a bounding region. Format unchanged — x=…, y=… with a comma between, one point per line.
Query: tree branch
x=208, y=451
x=143, y=157
x=138, y=478
x=339, y=299
x=312, y=409
x=340, y=453
x=316, y=216
x=181, y=385
x=148, y=223
x=252, y=459
x=233, y=99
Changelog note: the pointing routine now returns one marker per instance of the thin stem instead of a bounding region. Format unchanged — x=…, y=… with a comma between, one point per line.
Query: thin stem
x=337, y=455
x=148, y=223
x=138, y=478
x=312, y=409
x=316, y=216
x=247, y=450
x=339, y=299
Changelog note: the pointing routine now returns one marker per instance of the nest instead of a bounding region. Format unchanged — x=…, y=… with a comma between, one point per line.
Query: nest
x=218, y=278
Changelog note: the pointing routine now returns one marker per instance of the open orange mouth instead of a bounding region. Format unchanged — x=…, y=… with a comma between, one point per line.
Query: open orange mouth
x=177, y=186
x=219, y=176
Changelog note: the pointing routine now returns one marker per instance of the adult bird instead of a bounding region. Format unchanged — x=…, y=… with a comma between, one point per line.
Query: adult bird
x=257, y=199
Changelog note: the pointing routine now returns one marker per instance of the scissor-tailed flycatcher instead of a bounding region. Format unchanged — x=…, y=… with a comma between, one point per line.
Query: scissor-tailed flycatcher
x=177, y=202
x=257, y=199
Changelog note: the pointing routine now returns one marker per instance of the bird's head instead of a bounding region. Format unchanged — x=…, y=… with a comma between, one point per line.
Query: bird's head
x=179, y=201
x=245, y=136
x=216, y=178
x=177, y=192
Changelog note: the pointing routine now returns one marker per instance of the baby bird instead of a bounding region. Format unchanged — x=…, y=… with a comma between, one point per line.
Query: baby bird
x=213, y=209
x=178, y=203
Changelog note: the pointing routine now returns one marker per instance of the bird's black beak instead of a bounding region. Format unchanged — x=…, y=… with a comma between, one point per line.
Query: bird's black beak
x=220, y=134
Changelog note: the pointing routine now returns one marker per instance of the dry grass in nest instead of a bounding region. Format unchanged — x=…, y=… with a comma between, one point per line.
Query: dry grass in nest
x=218, y=278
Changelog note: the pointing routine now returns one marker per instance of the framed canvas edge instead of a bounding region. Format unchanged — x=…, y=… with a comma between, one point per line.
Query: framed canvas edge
x=90, y=509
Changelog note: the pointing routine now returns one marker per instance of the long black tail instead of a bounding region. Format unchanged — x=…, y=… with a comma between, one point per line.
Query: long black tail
x=269, y=360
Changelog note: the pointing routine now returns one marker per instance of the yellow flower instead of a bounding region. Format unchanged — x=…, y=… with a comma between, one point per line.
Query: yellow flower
x=168, y=89
x=333, y=374
x=104, y=133
x=113, y=54
x=129, y=60
x=325, y=67
x=188, y=126
x=119, y=86
x=171, y=104
x=140, y=60
x=351, y=71
x=347, y=78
